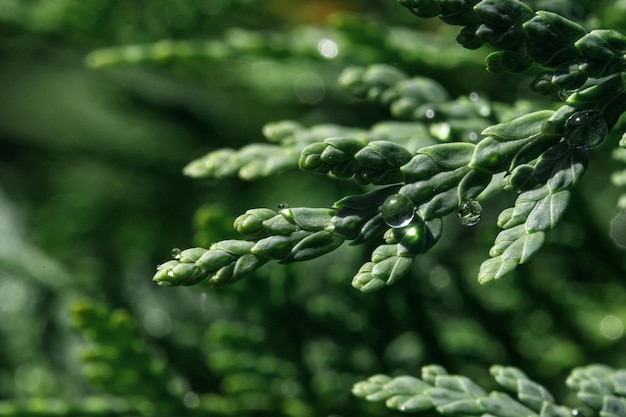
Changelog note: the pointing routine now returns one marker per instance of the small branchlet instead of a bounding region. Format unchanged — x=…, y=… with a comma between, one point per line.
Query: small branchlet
x=599, y=387
x=523, y=37
x=286, y=141
x=420, y=99
x=117, y=361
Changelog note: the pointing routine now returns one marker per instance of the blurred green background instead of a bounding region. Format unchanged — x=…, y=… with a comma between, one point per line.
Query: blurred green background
x=92, y=198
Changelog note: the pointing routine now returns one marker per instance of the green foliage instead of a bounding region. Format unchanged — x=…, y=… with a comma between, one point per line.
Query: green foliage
x=421, y=153
x=599, y=387
x=543, y=154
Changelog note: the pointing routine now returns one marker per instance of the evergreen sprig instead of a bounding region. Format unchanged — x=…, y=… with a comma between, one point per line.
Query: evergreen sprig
x=524, y=37
x=234, y=43
x=117, y=361
x=542, y=155
x=421, y=99
x=286, y=141
x=599, y=387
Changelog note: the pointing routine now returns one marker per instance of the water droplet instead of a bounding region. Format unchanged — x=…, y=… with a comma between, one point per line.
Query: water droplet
x=469, y=213
x=430, y=114
x=474, y=96
x=577, y=412
x=398, y=210
x=585, y=129
x=411, y=236
x=175, y=253
x=364, y=177
x=284, y=209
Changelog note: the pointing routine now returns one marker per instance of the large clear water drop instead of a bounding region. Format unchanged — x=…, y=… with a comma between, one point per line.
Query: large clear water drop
x=469, y=213
x=585, y=129
x=175, y=253
x=398, y=210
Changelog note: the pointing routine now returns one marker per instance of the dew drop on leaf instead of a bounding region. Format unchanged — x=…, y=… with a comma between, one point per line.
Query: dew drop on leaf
x=469, y=213
x=284, y=209
x=398, y=210
x=175, y=253
x=585, y=129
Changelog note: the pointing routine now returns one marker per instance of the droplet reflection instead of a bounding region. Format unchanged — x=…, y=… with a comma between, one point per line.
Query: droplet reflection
x=469, y=213
x=398, y=210
x=283, y=206
x=585, y=129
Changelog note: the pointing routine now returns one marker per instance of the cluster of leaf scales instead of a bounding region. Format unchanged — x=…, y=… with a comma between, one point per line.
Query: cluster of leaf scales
x=542, y=156
x=601, y=389
x=524, y=37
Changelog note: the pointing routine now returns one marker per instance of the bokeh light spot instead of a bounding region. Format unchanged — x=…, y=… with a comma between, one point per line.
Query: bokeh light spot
x=27, y=377
x=328, y=48
x=611, y=327
x=191, y=400
x=157, y=322
x=618, y=229
x=13, y=296
x=309, y=88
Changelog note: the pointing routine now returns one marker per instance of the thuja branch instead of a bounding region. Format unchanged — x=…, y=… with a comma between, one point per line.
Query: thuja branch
x=543, y=155
x=429, y=115
x=436, y=181
x=524, y=37
x=600, y=388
